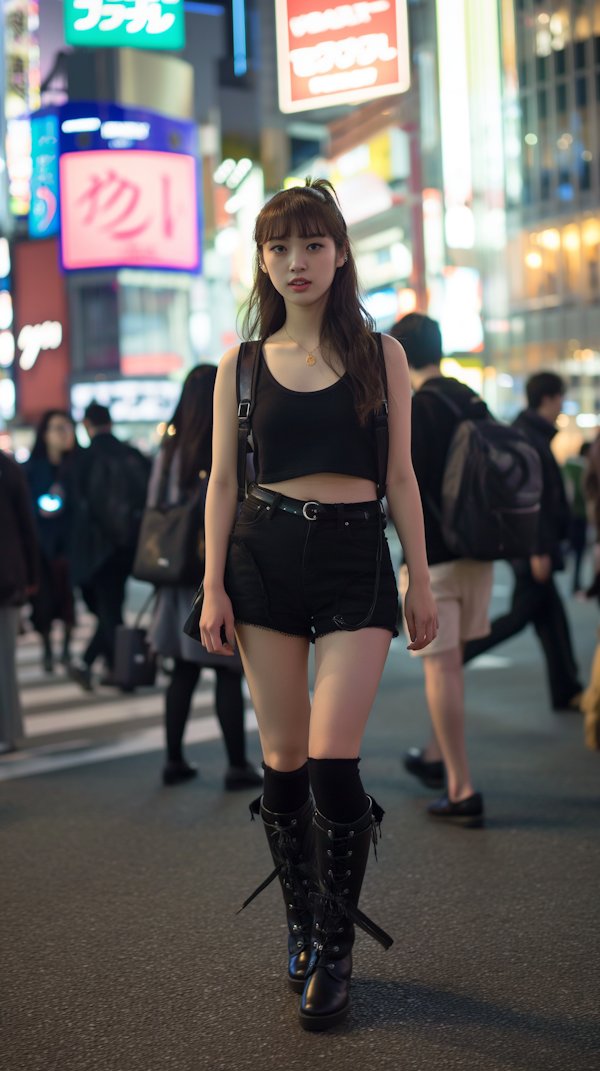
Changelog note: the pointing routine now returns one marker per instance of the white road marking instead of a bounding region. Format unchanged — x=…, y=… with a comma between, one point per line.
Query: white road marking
x=146, y=706
x=32, y=762
x=489, y=661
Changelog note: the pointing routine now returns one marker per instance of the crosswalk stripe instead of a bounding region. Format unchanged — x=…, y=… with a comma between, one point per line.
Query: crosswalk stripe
x=29, y=763
x=106, y=714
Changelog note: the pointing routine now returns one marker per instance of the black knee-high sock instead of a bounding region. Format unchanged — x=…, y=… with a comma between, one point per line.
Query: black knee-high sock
x=230, y=712
x=337, y=788
x=285, y=791
x=177, y=705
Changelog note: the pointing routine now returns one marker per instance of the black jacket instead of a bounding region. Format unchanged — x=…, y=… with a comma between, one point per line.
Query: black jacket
x=433, y=425
x=554, y=519
x=107, y=492
x=19, y=555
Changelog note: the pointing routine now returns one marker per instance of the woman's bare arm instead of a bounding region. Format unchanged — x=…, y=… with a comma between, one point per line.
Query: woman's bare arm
x=404, y=499
x=221, y=504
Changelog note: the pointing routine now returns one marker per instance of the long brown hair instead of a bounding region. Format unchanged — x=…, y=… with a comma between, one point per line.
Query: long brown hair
x=191, y=426
x=313, y=211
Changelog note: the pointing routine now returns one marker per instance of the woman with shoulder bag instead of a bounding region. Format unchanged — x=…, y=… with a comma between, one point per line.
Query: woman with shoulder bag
x=181, y=467
x=307, y=561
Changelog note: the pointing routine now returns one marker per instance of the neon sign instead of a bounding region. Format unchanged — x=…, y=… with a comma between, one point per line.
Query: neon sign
x=157, y=24
x=340, y=55
x=132, y=208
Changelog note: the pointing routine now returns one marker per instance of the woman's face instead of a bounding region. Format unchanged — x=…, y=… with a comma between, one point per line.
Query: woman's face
x=60, y=435
x=301, y=269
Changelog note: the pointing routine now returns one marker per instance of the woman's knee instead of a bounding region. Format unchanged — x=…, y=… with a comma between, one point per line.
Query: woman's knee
x=284, y=758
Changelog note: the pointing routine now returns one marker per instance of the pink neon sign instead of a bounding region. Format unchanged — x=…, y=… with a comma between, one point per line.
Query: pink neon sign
x=128, y=209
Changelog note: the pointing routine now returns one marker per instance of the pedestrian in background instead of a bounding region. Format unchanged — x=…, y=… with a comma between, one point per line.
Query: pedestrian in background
x=19, y=578
x=47, y=473
x=185, y=460
x=574, y=473
x=535, y=597
x=461, y=587
x=108, y=487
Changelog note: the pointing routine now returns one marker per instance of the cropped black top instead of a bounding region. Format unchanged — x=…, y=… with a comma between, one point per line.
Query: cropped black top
x=297, y=433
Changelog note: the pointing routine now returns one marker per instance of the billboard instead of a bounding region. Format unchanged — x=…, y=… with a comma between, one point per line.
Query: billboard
x=131, y=208
x=44, y=217
x=139, y=24
x=340, y=55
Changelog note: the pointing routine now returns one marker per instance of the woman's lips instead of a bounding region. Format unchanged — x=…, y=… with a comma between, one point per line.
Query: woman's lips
x=300, y=284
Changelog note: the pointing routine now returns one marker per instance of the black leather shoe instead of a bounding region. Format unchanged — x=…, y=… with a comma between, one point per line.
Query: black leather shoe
x=431, y=774
x=342, y=854
x=82, y=674
x=175, y=773
x=467, y=812
x=240, y=777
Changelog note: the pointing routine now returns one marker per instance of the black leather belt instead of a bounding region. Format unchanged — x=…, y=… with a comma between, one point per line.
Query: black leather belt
x=311, y=510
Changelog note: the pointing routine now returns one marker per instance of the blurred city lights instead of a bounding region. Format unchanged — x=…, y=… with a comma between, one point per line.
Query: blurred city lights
x=587, y=420
x=7, y=348
x=4, y=258
x=533, y=260
x=223, y=171
x=531, y=139
x=7, y=398
x=81, y=126
x=6, y=309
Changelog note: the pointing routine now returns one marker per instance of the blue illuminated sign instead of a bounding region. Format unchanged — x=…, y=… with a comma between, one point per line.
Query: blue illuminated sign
x=44, y=217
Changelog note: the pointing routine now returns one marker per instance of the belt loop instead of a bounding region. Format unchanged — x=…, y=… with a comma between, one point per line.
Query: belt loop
x=274, y=505
x=340, y=513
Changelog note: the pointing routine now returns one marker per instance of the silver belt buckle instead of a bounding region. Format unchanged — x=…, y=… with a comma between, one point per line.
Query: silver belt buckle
x=305, y=507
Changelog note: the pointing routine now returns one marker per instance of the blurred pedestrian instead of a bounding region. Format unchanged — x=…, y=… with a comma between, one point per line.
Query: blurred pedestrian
x=183, y=464
x=19, y=578
x=535, y=597
x=574, y=472
x=461, y=587
x=47, y=472
x=108, y=487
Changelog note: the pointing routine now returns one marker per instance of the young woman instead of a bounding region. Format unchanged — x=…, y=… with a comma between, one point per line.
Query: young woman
x=181, y=464
x=48, y=475
x=300, y=567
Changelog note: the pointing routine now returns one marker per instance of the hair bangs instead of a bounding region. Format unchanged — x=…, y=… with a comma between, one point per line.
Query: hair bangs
x=295, y=211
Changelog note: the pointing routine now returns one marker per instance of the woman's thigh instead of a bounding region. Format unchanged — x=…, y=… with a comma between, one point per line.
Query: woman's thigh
x=348, y=671
x=276, y=668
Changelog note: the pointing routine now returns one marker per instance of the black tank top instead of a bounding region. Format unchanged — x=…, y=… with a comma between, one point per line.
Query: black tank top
x=297, y=433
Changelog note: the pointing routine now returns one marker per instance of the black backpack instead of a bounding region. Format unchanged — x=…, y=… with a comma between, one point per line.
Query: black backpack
x=491, y=489
x=116, y=491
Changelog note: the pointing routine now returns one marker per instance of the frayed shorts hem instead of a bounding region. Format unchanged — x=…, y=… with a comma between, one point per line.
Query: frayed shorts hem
x=313, y=637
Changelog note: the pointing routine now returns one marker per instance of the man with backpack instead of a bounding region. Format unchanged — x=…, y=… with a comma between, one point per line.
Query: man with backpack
x=108, y=495
x=535, y=598
x=461, y=586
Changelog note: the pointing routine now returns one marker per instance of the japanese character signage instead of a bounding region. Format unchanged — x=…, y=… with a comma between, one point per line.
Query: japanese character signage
x=155, y=24
x=330, y=55
x=132, y=208
x=44, y=218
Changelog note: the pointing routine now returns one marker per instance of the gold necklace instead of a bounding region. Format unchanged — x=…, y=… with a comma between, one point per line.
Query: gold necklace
x=310, y=359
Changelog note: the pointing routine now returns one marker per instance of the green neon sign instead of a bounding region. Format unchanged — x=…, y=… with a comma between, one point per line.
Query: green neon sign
x=157, y=24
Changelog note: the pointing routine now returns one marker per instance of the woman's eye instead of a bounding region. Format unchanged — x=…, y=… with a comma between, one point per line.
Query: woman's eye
x=315, y=245
x=277, y=248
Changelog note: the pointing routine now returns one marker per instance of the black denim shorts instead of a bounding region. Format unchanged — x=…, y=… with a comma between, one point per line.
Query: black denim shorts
x=292, y=575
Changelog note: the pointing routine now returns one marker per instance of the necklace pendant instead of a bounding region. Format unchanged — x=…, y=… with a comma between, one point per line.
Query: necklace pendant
x=310, y=359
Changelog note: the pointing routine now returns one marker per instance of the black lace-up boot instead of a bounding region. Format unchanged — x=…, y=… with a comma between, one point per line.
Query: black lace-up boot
x=342, y=854
x=291, y=840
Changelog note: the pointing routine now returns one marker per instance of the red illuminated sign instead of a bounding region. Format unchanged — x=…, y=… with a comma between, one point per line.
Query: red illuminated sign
x=128, y=209
x=330, y=55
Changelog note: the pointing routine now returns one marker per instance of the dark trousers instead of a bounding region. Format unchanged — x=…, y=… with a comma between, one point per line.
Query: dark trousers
x=229, y=701
x=540, y=605
x=578, y=540
x=104, y=595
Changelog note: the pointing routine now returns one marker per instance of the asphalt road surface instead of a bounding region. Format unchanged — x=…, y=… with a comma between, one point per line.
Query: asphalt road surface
x=122, y=950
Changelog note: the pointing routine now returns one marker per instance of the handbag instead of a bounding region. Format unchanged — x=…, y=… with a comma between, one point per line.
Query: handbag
x=192, y=625
x=134, y=661
x=170, y=549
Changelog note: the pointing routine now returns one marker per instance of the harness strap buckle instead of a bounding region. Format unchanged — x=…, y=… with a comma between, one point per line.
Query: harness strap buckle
x=244, y=410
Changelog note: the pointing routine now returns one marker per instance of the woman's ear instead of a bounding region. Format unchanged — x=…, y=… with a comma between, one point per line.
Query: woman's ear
x=343, y=256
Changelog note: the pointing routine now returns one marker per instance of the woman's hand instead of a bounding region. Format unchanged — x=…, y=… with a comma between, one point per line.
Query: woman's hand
x=421, y=615
x=217, y=614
